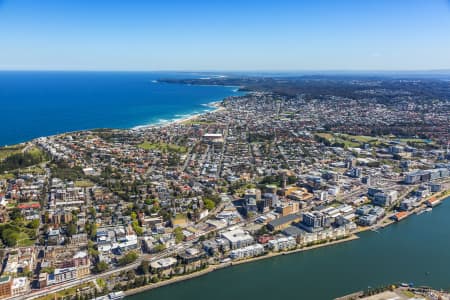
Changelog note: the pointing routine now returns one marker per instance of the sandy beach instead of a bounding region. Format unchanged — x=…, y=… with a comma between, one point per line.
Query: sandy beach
x=216, y=105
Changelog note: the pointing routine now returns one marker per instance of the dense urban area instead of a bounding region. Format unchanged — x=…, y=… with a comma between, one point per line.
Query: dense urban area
x=294, y=164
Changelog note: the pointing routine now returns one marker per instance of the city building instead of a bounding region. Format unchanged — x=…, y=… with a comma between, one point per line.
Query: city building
x=246, y=252
x=314, y=221
x=282, y=244
x=283, y=222
x=238, y=238
x=5, y=287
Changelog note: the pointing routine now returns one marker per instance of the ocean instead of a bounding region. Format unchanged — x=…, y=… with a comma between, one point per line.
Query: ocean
x=35, y=104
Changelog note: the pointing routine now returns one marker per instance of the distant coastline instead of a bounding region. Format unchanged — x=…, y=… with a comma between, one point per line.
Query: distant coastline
x=53, y=103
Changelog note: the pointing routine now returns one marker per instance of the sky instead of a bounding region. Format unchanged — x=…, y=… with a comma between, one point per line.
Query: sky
x=228, y=35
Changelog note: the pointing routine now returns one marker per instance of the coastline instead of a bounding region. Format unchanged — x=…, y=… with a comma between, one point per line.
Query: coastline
x=214, y=106
x=221, y=266
x=112, y=107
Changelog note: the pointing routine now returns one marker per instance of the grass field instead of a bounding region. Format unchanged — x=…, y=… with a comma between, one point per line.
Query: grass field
x=350, y=141
x=10, y=150
x=196, y=121
x=359, y=138
x=7, y=176
x=21, y=157
x=67, y=293
x=337, y=139
x=414, y=140
x=327, y=136
x=23, y=240
x=83, y=183
x=163, y=147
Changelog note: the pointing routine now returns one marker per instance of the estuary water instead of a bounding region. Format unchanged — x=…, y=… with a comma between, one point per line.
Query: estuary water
x=35, y=104
x=416, y=250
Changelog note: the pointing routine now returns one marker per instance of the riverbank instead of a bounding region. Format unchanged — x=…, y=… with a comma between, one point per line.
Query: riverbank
x=397, y=291
x=213, y=268
x=387, y=221
x=441, y=197
x=375, y=260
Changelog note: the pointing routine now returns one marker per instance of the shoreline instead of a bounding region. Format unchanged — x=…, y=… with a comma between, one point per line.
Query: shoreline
x=179, y=118
x=442, y=196
x=214, y=106
x=221, y=266
x=387, y=221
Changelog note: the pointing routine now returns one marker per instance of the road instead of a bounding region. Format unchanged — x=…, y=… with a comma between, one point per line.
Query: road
x=169, y=251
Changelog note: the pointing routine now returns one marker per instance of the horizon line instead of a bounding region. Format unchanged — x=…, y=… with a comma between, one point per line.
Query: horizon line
x=445, y=70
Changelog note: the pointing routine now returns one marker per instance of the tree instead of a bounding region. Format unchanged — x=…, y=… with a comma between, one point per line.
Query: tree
x=209, y=204
x=15, y=214
x=92, y=249
x=48, y=270
x=34, y=224
x=100, y=267
x=179, y=236
x=139, y=230
x=131, y=275
x=159, y=247
x=144, y=267
x=128, y=258
x=72, y=229
x=91, y=230
x=9, y=237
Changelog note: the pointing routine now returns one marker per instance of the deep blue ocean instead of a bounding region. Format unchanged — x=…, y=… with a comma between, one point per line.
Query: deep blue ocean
x=35, y=104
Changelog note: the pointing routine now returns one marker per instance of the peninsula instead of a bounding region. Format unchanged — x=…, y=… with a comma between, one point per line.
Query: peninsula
x=295, y=164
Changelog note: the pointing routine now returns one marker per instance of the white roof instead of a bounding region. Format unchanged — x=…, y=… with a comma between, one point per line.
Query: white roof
x=164, y=262
x=212, y=135
x=236, y=235
x=19, y=282
x=80, y=254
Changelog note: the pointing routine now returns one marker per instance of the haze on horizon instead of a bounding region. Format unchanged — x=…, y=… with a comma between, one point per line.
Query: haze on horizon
x=233, y=35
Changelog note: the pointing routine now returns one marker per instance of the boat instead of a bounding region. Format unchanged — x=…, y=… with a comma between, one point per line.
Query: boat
x=429, y=209
x=420, y=212
x=112, y=296
x=404, y=284
x=116, y=295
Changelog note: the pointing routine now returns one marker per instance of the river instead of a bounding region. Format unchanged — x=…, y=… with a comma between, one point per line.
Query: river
x=415, y=250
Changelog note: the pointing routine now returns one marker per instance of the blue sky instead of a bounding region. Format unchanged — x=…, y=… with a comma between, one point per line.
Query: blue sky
x=224, y=35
